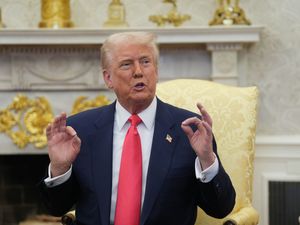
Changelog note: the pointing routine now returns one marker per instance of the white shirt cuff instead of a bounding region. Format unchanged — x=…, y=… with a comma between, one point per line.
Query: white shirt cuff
x=55, y=181
x=209, y=173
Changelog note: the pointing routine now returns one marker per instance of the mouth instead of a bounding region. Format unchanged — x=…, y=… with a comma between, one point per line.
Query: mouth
x=139, y=86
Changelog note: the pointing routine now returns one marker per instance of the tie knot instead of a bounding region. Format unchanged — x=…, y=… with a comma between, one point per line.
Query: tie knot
x=135, y=120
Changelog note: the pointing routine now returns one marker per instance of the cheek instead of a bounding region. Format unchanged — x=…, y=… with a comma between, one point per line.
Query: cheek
x=153, y=76
x=118, y=77
x=121, y=82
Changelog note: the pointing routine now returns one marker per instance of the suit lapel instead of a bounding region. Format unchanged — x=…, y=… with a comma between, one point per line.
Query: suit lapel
x=102, y=161
x=164, y=140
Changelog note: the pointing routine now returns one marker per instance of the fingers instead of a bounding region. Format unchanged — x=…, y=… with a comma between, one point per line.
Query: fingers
x=76, y=143
x=62, y=122
x=48, y=132
x=76, y=140
x=202, y=126
x=206, y=117
x=54, y=125
x=71, y=131
x=186, y=126
x=187, y=130
x=207, y=127
x=58, y=125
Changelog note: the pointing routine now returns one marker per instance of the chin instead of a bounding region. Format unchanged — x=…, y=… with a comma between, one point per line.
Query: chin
x=143, y=99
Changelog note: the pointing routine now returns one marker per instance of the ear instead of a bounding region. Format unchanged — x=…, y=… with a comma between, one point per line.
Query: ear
x=107, y=78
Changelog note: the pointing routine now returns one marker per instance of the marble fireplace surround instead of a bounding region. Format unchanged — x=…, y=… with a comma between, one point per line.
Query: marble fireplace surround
x=64, y=63
x=32, y=56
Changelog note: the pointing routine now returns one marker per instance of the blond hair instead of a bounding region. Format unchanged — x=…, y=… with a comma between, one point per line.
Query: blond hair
x=114, y=40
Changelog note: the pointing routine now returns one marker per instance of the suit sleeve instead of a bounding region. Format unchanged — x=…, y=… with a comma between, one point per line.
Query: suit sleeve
x=217, y=197
x=61, y=198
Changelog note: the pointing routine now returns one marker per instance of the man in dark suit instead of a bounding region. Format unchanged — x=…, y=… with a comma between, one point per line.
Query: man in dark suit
x=179, y=161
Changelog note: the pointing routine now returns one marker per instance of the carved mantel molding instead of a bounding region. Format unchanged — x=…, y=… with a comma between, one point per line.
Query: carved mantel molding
x=33, y=55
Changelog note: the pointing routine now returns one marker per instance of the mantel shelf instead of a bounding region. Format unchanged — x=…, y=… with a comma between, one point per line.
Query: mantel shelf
x=185, y=35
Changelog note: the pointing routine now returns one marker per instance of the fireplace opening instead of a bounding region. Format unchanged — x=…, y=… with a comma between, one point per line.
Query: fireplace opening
x=19, y=196
x=284, y=203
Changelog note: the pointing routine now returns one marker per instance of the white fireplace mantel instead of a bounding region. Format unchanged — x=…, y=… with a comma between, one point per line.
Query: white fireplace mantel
x=185, y=35
x=62, y=64
x=37, y=49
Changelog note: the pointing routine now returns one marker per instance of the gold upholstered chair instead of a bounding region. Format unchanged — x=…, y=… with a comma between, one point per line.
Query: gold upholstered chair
x=233, y=110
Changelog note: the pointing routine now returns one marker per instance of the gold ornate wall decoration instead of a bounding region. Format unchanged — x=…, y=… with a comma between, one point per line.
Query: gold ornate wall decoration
x=25, y=120
x=229, y=13
x=81, y=103
x=116, y=15
x=1, y=22
x=55, y=14
x=172, y=17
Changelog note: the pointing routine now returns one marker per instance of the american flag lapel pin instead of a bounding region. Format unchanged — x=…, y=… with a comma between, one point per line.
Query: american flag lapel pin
x=169, y=138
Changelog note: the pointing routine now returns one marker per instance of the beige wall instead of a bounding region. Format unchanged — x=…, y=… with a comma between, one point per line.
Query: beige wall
x=274, y=63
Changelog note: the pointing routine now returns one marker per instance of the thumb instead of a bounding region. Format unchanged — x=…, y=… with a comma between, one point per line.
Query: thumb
x=187, y=130
x=71, y=131
x=76, y=144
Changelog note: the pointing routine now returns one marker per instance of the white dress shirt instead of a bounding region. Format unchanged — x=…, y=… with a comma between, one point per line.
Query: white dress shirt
x=146, y=130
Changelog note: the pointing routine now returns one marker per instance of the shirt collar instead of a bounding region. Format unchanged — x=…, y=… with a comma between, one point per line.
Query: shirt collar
x=147, y=115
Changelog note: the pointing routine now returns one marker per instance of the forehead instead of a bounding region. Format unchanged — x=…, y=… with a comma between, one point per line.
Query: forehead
x=132, y=50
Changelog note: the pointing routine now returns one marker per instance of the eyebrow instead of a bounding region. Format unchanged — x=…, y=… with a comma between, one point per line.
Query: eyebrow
x=130, y=59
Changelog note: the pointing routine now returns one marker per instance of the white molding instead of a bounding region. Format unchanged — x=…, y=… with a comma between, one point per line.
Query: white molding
x=265, y=140
x=278, y=146
x=266, y=178
x=277, y=158
x=185, y=35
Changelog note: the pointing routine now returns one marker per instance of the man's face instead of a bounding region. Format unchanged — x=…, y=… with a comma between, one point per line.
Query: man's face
x=132, y=74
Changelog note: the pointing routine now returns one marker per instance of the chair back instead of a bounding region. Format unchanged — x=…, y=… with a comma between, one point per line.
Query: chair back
x=233, y=111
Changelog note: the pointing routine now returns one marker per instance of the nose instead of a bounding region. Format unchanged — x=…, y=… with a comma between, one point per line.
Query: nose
x=137, y=73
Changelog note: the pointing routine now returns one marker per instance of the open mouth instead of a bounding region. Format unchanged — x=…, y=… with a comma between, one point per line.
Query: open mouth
x=139, y=86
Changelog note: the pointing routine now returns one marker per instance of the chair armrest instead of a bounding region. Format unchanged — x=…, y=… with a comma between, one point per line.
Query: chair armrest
x=245, y=216
x=68, y=218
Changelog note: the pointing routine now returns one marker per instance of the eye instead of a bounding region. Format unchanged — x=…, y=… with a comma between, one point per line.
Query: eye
x=145, y=61
x=125, y=65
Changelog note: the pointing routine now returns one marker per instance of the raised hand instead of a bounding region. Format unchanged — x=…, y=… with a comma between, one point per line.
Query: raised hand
x=63, y=145
x=201, y=139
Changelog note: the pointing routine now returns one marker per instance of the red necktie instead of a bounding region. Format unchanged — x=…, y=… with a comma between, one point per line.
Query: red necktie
x=128, y=208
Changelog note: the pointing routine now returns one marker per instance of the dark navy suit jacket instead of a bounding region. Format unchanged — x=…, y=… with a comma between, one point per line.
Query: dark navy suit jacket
x=172, y=190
